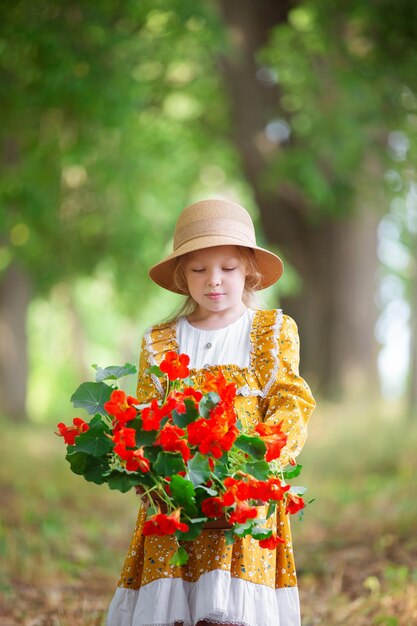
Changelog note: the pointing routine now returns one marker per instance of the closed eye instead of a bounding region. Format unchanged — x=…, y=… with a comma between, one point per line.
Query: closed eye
x=228, y=269
x=197, y=270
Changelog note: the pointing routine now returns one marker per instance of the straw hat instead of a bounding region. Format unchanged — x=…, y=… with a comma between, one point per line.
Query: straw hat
x=210, y=223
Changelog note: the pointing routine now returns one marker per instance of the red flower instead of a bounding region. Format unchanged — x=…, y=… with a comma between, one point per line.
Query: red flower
x=190, y=392
x=213, y=507
x=271, y=543
x=170, y=440
x=138, y=462
x=242, y=513
x=175, y=365
x=152, y=416
x=271, y=489
x=134, y=459
x=274, y=439
x=217, y=382
x=69, y=433
x=163, y=524
x=294, y=503
x=237, y=489
x=212, y=436
x=125, y=436
x=120, y=406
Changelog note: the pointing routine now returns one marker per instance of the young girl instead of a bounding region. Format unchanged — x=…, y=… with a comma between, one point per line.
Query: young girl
x=218, y=266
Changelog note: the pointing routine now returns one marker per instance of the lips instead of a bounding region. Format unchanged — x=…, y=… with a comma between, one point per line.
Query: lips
x=214, y=296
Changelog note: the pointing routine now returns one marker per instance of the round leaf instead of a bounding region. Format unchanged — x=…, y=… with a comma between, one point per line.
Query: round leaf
x=254, y=446
x=114, y=372
x=91, y=397
x=95, y=440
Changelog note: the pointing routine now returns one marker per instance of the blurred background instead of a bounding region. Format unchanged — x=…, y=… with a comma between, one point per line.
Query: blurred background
x=115, y=116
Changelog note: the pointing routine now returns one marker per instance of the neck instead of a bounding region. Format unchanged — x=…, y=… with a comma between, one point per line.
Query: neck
x=213, y=320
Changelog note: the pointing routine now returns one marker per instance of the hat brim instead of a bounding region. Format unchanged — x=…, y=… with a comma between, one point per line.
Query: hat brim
x=269, y=264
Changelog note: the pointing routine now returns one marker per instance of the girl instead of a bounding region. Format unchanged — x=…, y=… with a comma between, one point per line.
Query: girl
x=218, y=266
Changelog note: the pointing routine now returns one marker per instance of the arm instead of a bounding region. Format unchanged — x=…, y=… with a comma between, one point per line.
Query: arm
x=289, y=398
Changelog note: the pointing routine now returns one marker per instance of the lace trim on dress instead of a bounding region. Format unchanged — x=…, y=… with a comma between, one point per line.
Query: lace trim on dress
x=276, y=329
x=248, y=391
x=152, y=360
x=256, y=327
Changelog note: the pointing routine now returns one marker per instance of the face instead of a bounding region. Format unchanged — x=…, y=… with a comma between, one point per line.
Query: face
x=216, y=279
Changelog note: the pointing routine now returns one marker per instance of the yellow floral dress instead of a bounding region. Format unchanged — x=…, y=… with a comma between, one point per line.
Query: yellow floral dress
x=242, y=583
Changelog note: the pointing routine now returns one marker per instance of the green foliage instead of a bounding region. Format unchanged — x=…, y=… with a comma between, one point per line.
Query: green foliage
x=180, y=558
x=93, y=442
x=169, y=463
x=254, y=446
x=114, y=372
x=91, y=397
x=292, y=471
x=198, y=469
x=121, y=481
x=340, y=70
x=259, y=469
x=207, y=403
x=98, y=99
x=183, y=492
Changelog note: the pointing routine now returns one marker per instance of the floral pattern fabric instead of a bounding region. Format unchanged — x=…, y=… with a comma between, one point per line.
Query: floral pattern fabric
x=270, y=390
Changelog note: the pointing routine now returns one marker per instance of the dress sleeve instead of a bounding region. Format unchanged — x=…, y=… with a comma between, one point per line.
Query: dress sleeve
x=287, y=396
x=147, y=385
x=157, y=341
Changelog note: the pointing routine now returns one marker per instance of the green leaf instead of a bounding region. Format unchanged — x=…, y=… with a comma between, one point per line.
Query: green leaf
x=258, y=469
x=210, y=492
x=156, y=370
x=254, y=446
x=95, y=440
x=183, y=419
x=169, y=463
x=151, y=453
x=92, y=468
x=292, y=471
x=91, y=397
x=143, y=437
x=179, y=558
x=182, y=491
x=198, y=470
x=261, y=533
x=229, y=536
x=271, y=508
x=96, y=469
x=76, y=461
x=151, y=511
x=114, y=372
x=193, y=532
x=221, y=469
x=207, y=402
x=241, y=530
x=121, y=481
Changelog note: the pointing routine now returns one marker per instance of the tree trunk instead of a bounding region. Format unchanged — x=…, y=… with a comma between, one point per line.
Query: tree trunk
x=15, y=294
x=336, y=258
x=412, y=380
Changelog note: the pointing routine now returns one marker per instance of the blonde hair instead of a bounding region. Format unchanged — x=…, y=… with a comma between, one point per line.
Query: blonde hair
x=249, y=296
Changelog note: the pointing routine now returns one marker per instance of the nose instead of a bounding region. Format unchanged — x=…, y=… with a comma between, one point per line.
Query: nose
x=213, y=279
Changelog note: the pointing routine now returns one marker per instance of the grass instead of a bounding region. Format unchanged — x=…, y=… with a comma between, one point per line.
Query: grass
x=62, y=540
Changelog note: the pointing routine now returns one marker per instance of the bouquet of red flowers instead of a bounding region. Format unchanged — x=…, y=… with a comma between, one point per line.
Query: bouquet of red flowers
x=186, y=456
